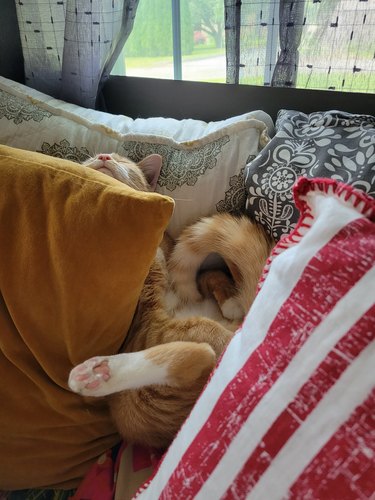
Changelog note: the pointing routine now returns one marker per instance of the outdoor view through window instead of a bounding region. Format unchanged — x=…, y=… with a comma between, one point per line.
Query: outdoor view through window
x=148, y=51
x=327, y=44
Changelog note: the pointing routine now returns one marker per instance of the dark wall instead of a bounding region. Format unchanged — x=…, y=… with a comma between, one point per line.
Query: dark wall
x=145, y=97
x=11, y=59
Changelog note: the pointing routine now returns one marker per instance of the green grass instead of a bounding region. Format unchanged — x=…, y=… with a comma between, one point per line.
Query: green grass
x=353, y=82
x=248, y=80
x=199, y=52
x=206, y=51
x=213, y=80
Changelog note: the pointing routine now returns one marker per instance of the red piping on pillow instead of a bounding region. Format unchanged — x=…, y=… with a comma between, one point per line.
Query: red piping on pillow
x=360, y=201
x=303, y=185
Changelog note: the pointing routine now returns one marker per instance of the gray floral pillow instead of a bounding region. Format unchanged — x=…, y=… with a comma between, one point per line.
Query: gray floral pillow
x=328, y=144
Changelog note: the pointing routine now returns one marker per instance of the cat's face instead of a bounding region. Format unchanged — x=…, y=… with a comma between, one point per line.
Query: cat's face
x=142, y=176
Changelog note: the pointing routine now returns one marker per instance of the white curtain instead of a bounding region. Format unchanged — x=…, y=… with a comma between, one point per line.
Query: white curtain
x=70, y=46
x=316, y=44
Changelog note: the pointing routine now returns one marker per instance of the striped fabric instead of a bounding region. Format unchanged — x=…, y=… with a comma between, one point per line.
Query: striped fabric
x=287, y=413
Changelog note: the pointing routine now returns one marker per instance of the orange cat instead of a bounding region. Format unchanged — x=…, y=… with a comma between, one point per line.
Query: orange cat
x=185, y=318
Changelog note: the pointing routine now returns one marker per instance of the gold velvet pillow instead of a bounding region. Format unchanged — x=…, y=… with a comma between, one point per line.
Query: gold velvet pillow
x=75, y=248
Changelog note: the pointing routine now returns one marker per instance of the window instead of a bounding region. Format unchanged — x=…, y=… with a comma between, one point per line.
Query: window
x=315, y=44
x=152, y=49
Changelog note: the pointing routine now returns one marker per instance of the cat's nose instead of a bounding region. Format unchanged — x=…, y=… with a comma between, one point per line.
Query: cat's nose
x=104, y=157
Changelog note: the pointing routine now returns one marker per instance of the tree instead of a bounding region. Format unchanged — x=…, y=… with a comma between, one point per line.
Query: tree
x=152, y=31
x=208, y=16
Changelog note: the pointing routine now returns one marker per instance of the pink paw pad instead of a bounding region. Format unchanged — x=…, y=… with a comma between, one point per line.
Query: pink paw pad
x=89, y=375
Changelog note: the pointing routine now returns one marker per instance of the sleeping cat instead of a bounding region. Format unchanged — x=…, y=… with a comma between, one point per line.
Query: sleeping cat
x=185, y=317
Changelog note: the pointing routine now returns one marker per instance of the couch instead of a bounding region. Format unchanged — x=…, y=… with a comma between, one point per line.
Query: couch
x=287, y=412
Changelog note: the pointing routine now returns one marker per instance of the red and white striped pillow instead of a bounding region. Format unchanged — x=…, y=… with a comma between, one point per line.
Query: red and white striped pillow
x=287, y=413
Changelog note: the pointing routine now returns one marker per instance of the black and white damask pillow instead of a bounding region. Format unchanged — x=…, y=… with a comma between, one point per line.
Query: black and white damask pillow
x=326, y=144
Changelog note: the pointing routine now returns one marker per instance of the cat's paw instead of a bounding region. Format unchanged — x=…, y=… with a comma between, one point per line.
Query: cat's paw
x=90, y=377
x=232, y=309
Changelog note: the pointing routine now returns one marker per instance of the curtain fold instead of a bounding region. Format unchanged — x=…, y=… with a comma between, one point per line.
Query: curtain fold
x=291, y=18
x=232, y=9
x=70, y=46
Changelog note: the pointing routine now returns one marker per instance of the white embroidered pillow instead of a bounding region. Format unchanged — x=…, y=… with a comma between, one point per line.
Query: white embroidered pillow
x=203, y=163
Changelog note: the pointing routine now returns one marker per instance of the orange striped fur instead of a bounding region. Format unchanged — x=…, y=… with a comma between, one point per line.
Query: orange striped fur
x=185, y=318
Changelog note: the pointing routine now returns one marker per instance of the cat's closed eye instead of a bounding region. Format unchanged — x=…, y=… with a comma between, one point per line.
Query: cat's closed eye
x=142, y=176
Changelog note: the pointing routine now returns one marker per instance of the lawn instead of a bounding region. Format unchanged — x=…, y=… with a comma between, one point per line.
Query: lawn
x=199, y=52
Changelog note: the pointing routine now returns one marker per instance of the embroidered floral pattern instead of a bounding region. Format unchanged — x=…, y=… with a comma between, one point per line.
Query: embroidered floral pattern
x=235, y=197
x=180, y=166
x=64, y=150
x=19, y=110
x=330, y=144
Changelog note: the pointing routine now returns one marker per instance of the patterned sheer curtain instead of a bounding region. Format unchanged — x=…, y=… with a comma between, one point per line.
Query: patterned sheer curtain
x=70, y=46
x=316, y=44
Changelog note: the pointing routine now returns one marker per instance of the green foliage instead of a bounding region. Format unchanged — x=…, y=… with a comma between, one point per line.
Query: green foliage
x=208, y=16
x=152, y=31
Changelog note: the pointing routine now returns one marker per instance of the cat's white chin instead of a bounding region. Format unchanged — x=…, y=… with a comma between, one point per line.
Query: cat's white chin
x=105, y=170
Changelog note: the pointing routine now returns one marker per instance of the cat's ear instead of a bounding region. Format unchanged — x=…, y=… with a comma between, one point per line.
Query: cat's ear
x=151, y=166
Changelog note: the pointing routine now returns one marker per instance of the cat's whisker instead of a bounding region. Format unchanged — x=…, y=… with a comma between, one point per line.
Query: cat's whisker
x=183, y=199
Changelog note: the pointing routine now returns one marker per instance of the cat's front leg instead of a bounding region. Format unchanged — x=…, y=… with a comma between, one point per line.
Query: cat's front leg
x=176, y=364
x=200, y=330
x=104, y=375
